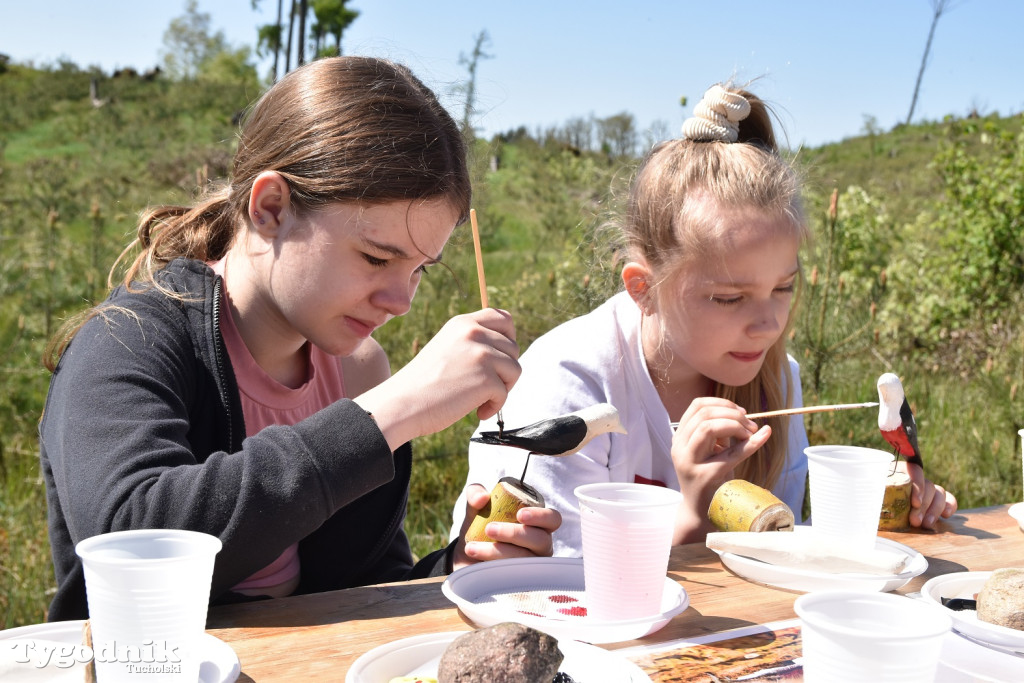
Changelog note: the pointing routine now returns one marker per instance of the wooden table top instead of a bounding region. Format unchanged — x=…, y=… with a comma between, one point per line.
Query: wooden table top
x=317, y=637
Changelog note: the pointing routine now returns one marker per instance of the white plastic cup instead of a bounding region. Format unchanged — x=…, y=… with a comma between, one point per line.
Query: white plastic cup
x=856, y=636
x=148, y=592
x=627, y=535
x=847, y=487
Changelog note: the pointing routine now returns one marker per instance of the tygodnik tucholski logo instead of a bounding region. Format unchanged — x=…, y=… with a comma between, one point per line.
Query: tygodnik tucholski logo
x=147, y=658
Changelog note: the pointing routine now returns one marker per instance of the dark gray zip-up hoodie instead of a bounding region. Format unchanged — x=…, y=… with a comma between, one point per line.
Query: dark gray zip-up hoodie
x=143, y=428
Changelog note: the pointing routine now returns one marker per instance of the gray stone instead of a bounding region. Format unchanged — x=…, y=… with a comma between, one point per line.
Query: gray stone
x=508, y=652
x=1001, y=600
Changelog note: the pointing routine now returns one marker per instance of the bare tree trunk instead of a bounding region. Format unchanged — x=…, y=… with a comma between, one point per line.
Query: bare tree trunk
x=288, y=52
x=277, y=48
x=471, y=63
x=938, y=7
x=303, y=4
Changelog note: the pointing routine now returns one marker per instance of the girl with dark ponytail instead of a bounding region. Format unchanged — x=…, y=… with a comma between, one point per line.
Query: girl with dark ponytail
x=230, y=384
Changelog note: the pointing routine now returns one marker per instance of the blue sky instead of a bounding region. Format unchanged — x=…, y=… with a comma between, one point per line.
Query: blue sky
x=827, y=66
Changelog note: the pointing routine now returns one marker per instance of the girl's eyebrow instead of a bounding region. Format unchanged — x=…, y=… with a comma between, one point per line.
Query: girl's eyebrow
x=395, y=250
x=793, y=273
x=739, y=284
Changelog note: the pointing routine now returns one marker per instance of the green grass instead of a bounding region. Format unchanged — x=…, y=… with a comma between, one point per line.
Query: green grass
x=43, y=141
x=26, y=571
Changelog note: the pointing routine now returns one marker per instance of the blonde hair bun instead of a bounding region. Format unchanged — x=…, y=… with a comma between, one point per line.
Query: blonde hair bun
x=717, y=116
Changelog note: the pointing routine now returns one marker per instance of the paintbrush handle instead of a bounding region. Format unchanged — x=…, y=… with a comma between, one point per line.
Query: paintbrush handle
x=812, y=409
x=483, y=283
x=479, y=259
x=805, y=409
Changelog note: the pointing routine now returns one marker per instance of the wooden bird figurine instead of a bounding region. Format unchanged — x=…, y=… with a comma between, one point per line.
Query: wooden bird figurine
x=896, y=420
x=561, y=435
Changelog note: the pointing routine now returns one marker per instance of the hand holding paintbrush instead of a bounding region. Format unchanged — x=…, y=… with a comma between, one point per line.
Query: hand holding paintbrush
x=481, y=280
x=469, y=365
x=805, y=409
x=557, y=436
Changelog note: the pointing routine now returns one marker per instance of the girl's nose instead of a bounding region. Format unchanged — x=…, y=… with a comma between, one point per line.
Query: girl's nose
x=395, y=297
x=768, y=320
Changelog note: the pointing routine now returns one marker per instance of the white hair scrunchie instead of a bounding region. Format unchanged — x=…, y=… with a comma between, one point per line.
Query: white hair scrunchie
x=717, y=116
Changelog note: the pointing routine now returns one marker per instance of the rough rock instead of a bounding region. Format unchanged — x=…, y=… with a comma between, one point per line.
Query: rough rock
x=1001, y=599
x=508, y=652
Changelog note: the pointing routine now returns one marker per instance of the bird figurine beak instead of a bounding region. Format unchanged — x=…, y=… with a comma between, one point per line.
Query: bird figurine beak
x=557, y=436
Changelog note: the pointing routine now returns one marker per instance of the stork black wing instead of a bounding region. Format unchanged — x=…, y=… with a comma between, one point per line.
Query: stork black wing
x=548, y=437
x=910, y=426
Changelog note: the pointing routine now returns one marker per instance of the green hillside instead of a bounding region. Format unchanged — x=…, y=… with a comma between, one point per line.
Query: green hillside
x=918, y=270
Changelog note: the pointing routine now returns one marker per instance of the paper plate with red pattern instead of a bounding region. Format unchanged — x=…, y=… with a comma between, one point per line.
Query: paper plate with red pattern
x=547, y=593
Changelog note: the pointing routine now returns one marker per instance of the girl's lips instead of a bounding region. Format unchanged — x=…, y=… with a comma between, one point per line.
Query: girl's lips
x=747, y=357
x=360, y=327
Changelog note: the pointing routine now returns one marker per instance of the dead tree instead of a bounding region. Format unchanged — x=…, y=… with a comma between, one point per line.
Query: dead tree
x=469, y=88
x=938, y=7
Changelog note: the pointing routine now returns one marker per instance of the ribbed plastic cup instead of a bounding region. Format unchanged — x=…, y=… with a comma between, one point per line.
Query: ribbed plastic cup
x=627, y=535
x=847, y=486
x=879, y=637
x=148, y=592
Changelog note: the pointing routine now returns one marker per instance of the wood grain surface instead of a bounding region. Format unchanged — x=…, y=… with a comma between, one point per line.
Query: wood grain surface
x=317, y=637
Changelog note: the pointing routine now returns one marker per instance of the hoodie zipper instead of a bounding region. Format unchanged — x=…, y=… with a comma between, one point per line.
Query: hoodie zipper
x=218, y=352
x=393, y=526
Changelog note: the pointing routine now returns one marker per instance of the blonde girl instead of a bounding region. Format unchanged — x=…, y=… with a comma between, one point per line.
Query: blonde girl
x=711, y=237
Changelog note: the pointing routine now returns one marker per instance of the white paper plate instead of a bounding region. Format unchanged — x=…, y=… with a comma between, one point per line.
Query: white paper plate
x=1017, y=512
x=419, y=656
x=967, y=585
x=806, y=580
x=547, y=593
x=963, y=660
x=219, y=665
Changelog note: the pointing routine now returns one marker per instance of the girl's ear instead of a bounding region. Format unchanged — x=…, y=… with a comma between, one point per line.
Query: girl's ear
x=269, y=201
x=637, y=279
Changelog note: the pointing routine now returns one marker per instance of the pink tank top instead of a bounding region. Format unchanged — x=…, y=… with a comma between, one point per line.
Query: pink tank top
x=266, y=402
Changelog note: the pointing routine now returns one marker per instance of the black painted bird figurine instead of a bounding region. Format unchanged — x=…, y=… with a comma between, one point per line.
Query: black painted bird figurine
x=896, y=419
x=561, y=435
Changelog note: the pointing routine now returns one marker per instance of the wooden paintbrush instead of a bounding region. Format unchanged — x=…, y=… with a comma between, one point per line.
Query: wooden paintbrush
x=483, y=283
x=806, y=409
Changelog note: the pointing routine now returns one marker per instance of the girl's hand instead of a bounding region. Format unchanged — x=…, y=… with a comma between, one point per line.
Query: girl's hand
x=713, y=436
x=928, y=501
x=470, y=365
x=530, y=537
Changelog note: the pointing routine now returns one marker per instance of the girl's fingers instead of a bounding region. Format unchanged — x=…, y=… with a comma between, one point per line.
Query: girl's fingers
x=936, y=506
x=518, y=540
x=712, y=438
x=530, y=536
x=742, y=449
x=547, y=519
x=512, y=540
x=496, y=319
x=476, y=498
x=951, y=505
x=918, y=483
x=712, y=403
x=699, y=418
